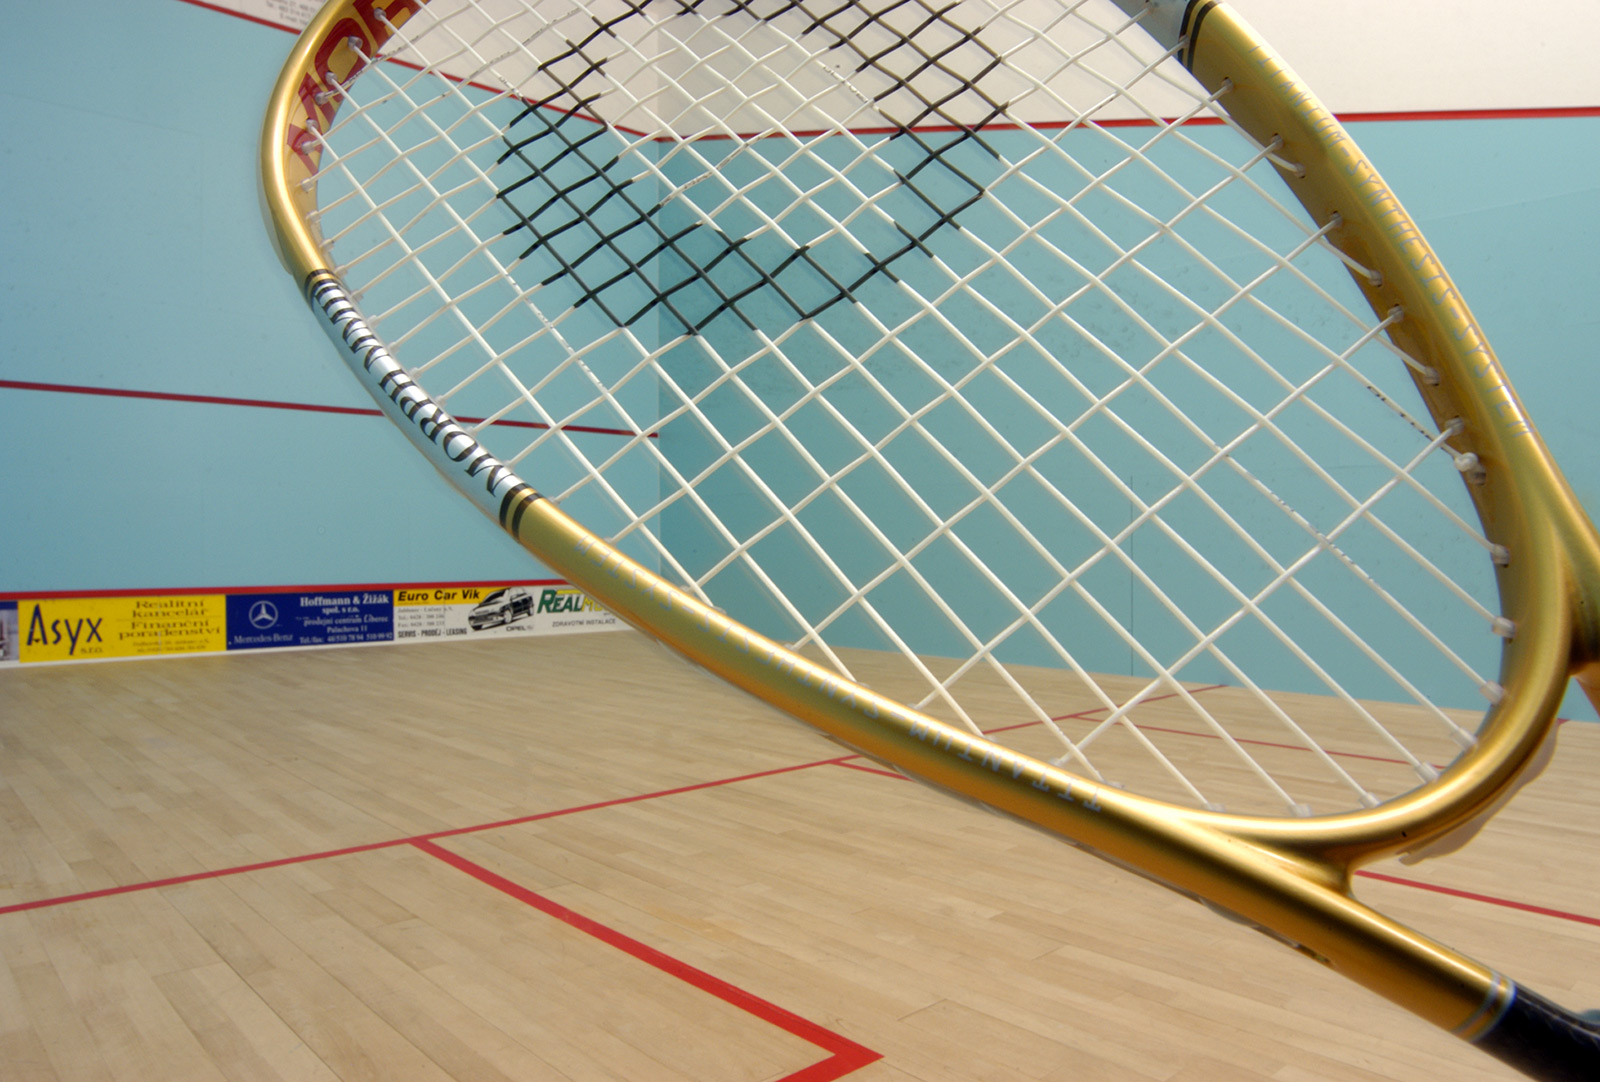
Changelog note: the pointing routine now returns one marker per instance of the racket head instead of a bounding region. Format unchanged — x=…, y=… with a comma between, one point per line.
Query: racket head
x=1540, y=551
x=1544, y=544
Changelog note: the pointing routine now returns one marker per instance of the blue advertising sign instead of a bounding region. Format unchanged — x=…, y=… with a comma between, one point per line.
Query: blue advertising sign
x=331, y=618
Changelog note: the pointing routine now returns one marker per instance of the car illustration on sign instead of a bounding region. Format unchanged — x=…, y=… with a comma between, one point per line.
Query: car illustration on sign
x=501, y=607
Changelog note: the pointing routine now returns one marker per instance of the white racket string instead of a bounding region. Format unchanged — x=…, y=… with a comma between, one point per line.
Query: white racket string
x=981, y=313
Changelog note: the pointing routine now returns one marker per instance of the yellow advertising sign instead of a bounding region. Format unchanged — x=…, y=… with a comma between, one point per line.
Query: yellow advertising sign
x=86, y=628
x=442, y=595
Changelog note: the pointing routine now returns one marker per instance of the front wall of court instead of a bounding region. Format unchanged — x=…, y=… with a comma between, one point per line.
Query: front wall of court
x=138, y=262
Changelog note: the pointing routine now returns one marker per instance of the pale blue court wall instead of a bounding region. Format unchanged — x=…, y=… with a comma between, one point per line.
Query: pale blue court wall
x=134, y=257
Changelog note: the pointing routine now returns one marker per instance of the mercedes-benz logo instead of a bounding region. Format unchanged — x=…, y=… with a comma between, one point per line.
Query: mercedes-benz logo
x=263, y=614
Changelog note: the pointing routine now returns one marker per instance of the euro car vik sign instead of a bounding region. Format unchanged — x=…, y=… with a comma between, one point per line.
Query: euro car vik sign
x=532, y=609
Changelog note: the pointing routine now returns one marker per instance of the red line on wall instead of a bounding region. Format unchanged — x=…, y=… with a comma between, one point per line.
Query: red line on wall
x=240, y=15
x=340, y=587
x=1556, y=112
x=1525, y=113
x=174, y=396
x=845, y=1056
x=267, y=403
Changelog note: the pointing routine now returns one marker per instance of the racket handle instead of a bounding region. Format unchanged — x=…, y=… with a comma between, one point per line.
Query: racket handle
x=1545, y=1041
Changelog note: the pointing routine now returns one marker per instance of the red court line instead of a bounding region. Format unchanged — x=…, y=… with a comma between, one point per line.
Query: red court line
x=1274, y=744
x=618, y=801
x=174, y=396
x=866, y=768
x=1454, y=892
x=240, y=15
x=194, y=877
x=1488, y=899
x=1521, y=113
x=848, y=761
x=1081, y=715
x=845, y=1055
x=1088, y=715
x=1555, y=112
x=271, y=404
x=320, y=588
x=306, y=858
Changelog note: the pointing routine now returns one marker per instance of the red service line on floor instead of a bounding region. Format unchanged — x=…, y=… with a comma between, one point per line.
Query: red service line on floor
x=867, y=766
x=195, y=877
x=1417, y=884
x=1487, y=899
x=327, y=854
x=1089, y=715
x=845, y=1055
x=851, y=762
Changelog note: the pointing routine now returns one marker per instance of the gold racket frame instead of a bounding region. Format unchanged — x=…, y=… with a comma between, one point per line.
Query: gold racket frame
x=1289, y=878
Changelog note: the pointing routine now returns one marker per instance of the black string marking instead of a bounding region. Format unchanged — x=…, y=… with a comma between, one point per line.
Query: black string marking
x=579, y=204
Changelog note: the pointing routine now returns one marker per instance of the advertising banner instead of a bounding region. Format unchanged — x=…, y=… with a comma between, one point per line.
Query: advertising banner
x=423, y=613
x=324, y=618
x=90, y=628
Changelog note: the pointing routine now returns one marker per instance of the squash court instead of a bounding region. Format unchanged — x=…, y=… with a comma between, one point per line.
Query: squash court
x=577, y=858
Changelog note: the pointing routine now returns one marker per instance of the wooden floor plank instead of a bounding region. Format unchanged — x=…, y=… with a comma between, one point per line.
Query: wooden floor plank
x=954, y=944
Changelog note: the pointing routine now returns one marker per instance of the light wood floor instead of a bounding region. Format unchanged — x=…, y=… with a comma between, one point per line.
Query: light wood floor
x=577, y=859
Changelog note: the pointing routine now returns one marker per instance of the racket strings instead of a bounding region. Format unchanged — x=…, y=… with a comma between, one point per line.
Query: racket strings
x=760, y=276
x=1222, y=452
x=951, y=524
x=412, y=262
x=1074, y=397
x=1343, y=362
